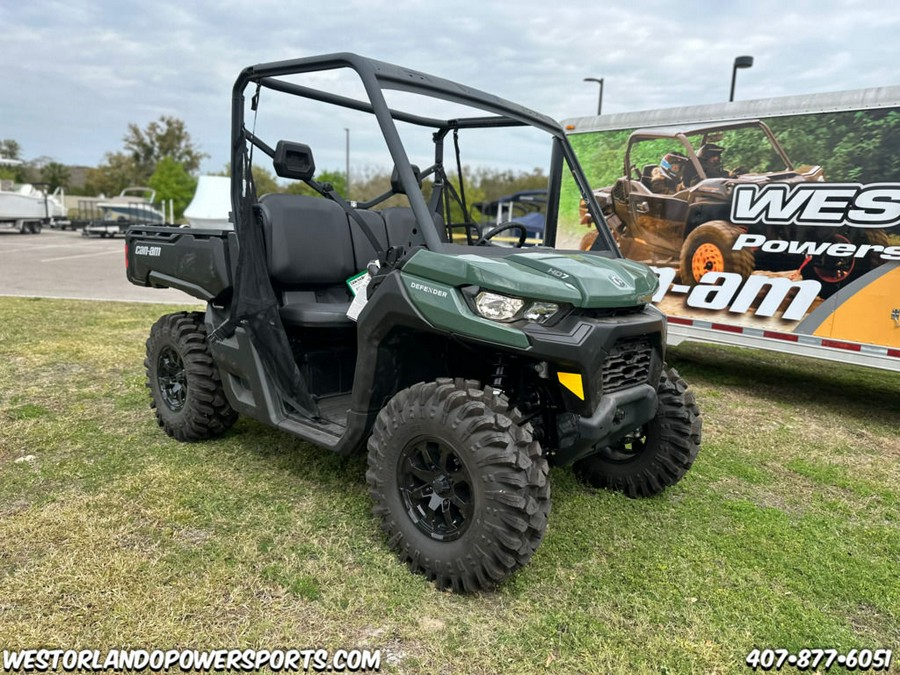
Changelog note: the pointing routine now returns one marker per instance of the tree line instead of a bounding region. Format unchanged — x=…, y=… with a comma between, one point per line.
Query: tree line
x=164, y=157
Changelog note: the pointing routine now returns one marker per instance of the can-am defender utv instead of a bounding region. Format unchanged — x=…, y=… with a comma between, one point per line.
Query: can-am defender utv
x=467, y=368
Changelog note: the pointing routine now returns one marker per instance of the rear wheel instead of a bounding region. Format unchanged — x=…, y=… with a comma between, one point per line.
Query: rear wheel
x=458, y=482
x=655, y=456
x=184, y=383
x=710, y=248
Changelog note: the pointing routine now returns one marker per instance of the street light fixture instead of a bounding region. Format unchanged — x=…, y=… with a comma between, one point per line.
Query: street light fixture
x=739, y=62
x=599, y=100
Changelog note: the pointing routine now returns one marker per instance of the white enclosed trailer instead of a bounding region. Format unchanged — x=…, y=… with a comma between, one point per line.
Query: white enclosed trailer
x=790, y=242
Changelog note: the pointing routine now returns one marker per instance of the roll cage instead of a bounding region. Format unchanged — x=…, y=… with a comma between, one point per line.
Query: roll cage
x=681, y=133
x=377, y=76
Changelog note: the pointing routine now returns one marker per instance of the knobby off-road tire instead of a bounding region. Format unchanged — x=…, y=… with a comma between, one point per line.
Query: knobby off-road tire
x=458, y=482
x=184, y=383
x=659, y=455
x=710, y=248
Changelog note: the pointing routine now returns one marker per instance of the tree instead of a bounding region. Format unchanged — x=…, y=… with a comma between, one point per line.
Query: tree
x=166, y=137
x=10, y=149
x=336, y=178
x=56, y=175
x=172, y=181
x=264, y=181
x=111, y=178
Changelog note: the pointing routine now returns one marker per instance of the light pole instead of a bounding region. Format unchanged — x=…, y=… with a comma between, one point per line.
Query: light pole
x=347, y=164
x=739, y=62
x=600, y=99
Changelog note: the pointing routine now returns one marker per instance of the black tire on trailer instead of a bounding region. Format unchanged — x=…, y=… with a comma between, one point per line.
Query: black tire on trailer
x=710, y=248
x=659, y=454
x=185, y=387
x=459, y=483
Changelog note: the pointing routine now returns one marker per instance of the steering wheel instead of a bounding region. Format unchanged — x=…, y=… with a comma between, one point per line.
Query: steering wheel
x=503, y=227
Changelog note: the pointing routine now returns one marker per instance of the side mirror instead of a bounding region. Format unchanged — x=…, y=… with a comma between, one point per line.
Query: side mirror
x=294, y=160
x=397, y=186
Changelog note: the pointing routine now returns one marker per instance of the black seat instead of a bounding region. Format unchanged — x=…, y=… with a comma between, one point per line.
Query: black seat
x=400, y=221
x=312, y=248
x=310, y=255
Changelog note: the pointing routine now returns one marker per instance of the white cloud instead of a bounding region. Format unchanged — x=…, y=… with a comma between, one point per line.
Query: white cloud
x=85, y=70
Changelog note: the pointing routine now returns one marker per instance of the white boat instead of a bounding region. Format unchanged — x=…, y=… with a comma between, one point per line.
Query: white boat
x=28, y=207
x=211, y=204
x=27, y=202
x=133, y=204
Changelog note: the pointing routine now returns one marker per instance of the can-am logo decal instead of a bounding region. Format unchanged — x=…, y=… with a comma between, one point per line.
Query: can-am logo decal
x=876, y=205
x=617, y=281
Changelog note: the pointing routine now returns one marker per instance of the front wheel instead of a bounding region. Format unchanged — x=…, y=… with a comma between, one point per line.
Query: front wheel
x=658, y=454
x=458, y=482
x=184, y=382
x=710, y=248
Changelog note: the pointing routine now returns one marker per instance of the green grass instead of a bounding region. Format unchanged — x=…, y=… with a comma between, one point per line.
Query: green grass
x=786, y=533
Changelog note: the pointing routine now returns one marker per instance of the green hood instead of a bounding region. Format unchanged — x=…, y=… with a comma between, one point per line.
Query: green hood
x=580, y=279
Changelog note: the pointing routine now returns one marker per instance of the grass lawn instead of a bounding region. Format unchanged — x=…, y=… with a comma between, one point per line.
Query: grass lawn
x=785, y=534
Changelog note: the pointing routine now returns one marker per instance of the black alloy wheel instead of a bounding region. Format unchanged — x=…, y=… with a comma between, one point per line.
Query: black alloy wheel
x=170, y=379
x=436, y=488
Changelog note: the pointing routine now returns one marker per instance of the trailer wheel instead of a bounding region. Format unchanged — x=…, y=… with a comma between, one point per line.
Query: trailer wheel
x=710, y=248
x=658, y=454
x=185, y=388
x=458, y=482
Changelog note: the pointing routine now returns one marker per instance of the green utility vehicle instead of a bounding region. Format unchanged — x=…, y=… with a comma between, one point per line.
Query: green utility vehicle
x=463, y=368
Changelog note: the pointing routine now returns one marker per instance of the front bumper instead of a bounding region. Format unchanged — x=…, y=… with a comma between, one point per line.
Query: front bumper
x=618, y=414
x=619, y=358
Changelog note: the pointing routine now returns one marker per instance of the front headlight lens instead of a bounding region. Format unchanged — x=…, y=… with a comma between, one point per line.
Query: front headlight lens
x=539, y=312
x=498, y=307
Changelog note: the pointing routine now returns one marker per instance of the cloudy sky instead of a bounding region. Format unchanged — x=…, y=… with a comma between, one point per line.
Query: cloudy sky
x=76, y=73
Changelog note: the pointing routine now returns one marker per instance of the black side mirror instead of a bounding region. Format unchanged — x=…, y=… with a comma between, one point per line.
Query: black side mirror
x=294, y=160
x=397, y=186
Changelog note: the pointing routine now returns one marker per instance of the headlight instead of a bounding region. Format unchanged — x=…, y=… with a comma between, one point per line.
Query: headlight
x=539, y=312
x=505, y=308
x=498, y=307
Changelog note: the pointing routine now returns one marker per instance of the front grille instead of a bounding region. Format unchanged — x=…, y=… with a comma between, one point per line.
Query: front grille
x=627, y=365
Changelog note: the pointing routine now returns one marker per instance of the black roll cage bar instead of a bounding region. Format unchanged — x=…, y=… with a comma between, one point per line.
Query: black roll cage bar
x=376, y=76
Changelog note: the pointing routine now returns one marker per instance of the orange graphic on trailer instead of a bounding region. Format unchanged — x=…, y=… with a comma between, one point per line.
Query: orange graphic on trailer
x=867, y=311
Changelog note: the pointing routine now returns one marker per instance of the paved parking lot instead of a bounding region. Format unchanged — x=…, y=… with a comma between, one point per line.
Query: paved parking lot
x=56, y=264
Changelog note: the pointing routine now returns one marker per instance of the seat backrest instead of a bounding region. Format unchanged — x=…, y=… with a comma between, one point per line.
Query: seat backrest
x=639, y=188
x=400, y=221
x=363, y=250
x=308, y=240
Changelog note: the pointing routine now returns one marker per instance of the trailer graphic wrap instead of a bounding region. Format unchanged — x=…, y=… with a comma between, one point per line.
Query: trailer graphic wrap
x=781, y=225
